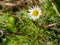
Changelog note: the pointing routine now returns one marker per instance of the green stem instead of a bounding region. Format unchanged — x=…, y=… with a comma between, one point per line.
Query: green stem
x=55, y=8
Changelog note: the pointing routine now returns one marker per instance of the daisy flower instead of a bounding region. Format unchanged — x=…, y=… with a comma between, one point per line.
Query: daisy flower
x=34, y=13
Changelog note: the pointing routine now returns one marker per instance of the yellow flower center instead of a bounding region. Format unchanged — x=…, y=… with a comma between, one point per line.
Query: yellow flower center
x=35, y=12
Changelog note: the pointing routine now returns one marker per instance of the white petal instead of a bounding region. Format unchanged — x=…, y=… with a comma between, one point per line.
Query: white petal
x=31, y=10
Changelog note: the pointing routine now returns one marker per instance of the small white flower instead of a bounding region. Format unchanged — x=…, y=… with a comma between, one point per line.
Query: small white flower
x=35, y=13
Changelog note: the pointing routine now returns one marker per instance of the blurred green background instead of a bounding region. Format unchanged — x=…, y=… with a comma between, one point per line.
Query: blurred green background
x=19, y=29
